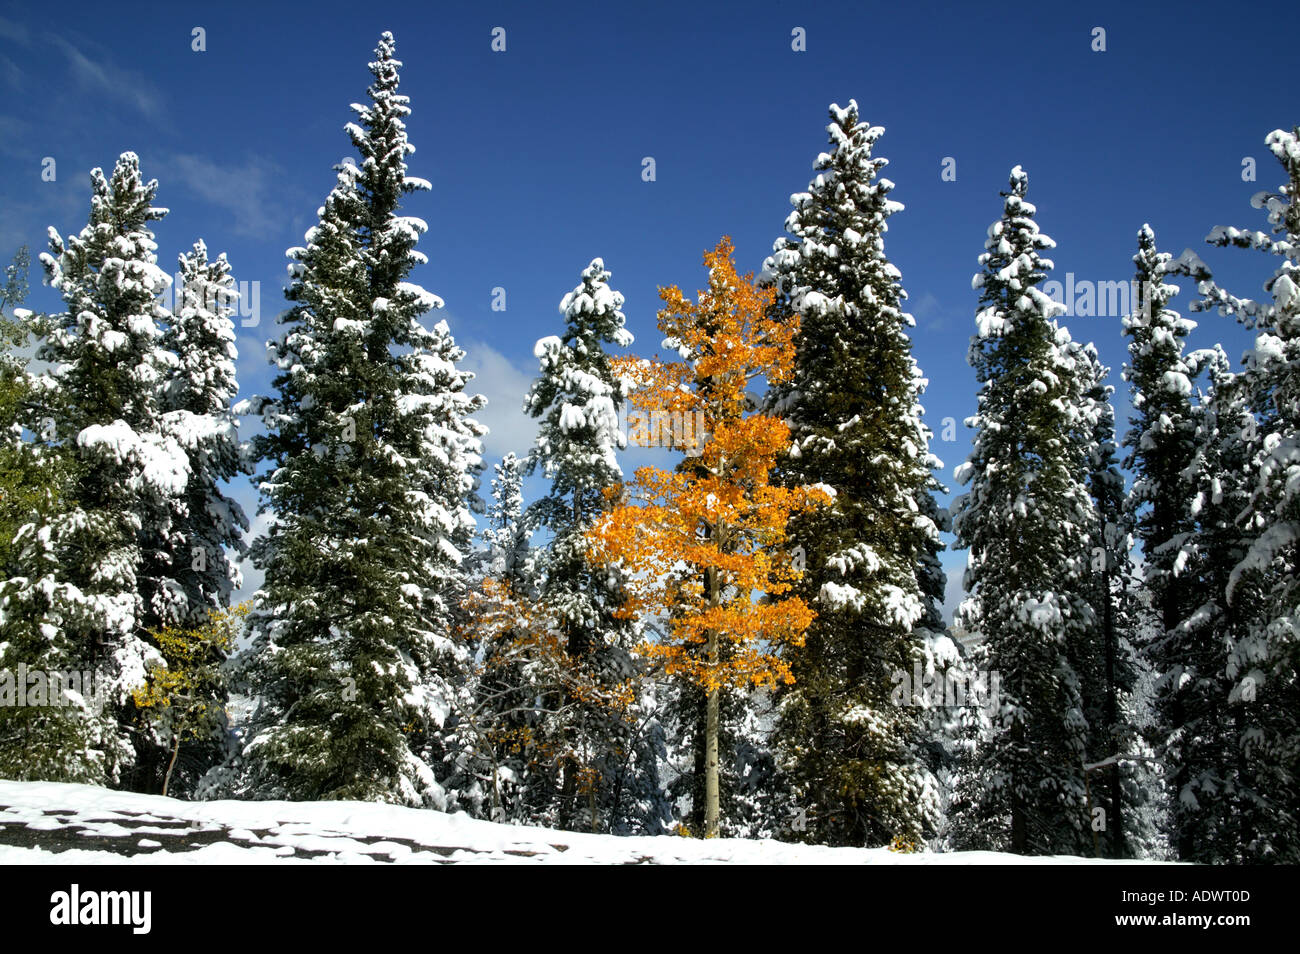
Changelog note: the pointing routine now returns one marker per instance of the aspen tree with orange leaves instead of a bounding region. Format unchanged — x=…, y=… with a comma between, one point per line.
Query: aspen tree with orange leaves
x=704, y=546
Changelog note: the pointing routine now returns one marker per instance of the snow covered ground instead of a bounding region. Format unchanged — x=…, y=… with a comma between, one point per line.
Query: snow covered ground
x=51, y=823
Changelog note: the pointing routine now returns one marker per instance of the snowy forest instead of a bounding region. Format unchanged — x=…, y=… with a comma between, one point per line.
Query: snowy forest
x=745, y=639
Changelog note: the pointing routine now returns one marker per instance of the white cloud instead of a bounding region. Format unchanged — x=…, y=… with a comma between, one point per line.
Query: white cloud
x=504, y=384
x=14, y=77
x=953, y=593
x=15, y=31
x=111, y=81
x=248, y=191
x=929, y=312
x=257, y=526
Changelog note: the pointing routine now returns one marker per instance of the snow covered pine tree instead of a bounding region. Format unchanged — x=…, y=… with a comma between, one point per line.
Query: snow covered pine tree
x=854, y=750
x=1121, y=773
x=204, y=540
x=501, y=727
x=104, y=406
x=1027, y=519
x=208, y=526
x=1264, y=663
x=578, y=395
x=374, y=462
x=1190, y=698
x=1201, y=735
x=59, y=743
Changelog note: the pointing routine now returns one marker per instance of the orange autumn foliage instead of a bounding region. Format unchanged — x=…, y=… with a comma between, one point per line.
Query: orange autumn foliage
x=703, y=545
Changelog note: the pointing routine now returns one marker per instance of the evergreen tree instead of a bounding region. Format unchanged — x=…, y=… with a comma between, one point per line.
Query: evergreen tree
x=1163, y=448
x=852, y=404
x=1213, y=813
x=208, y=526
x=23, y=489
x=943, y=662
x=502, y=726
x=1027, y=519
x=577, y=397
x=373, y=463
x=111, y=364
x=1161, y=439
x=96, y=569
x=203, y=543
x=508, y=554
x=1107, y=663
x=1265, y=584
x=68, y=742
x=1161, y=445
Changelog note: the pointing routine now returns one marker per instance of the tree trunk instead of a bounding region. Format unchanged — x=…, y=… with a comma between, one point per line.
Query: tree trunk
x=1116, y=821
x=1019, y=819
x=711, y=803
x=568, y=794
x=711, y=799
x=176, y=750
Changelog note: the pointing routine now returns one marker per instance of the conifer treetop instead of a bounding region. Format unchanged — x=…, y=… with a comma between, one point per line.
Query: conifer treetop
x=846, y=205
x=1013, y=263
x=1283, y=209
x=578, y=391
x=202, y=333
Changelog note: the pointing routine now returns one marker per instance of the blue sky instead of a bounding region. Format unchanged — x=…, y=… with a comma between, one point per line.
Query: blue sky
x=535, y=153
